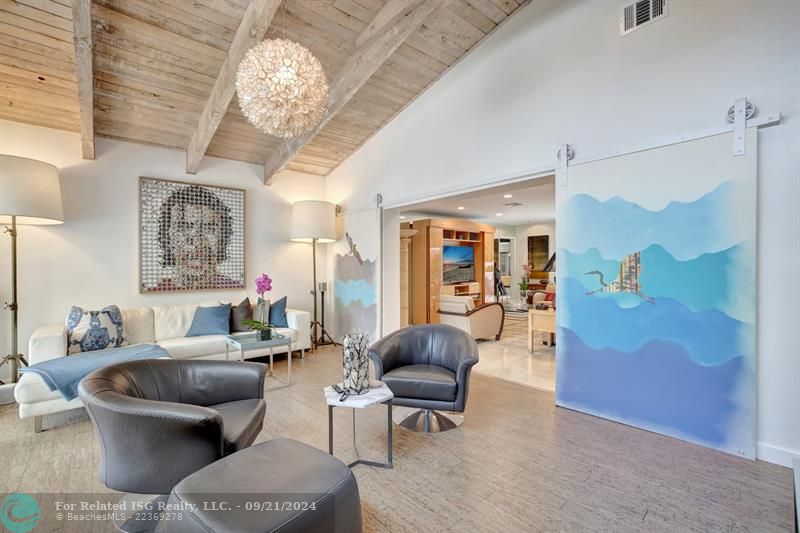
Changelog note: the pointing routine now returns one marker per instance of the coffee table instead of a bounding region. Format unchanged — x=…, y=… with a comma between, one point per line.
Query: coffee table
x=374, y=396
x=247, y=342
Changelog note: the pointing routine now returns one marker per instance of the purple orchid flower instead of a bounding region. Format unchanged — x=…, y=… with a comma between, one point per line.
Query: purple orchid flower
x=263, y=284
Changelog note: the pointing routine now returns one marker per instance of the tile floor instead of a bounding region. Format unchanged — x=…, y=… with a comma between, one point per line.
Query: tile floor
x=509, y=359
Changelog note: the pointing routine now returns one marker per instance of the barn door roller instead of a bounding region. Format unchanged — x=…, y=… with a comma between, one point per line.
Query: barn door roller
x=738, y=113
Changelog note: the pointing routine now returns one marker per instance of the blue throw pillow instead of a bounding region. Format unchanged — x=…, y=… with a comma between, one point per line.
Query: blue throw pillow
x=211, y=321
x=277, y=313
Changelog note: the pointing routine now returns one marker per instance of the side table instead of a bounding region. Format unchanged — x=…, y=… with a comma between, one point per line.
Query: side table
x=374, y=396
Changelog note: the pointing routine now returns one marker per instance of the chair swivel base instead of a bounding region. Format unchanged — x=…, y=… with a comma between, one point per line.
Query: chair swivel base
x=426, y=420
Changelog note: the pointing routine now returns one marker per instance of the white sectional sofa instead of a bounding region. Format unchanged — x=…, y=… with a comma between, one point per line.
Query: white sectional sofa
x=164, y=325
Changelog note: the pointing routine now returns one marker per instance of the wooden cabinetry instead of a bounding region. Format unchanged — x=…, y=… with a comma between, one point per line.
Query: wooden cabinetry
x=427, y=264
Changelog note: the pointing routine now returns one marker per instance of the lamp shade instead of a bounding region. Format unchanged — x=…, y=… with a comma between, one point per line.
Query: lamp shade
x=313, y=219
x=29, y=190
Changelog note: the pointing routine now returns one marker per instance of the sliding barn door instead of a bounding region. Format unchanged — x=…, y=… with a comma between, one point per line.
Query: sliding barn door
x=656, y=291
x=356, y=273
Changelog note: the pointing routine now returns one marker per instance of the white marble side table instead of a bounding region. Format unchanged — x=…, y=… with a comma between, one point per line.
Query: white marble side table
x=374, y=396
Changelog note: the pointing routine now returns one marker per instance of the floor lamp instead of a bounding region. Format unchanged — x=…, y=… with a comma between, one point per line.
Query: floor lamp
x=30, y=194
x=314, y=222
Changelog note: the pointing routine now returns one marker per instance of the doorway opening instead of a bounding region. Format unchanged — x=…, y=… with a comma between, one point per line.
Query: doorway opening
x=489, y=248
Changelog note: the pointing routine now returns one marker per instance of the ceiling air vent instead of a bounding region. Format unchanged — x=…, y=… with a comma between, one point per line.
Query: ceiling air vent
x=641, y=13
x=513, y=204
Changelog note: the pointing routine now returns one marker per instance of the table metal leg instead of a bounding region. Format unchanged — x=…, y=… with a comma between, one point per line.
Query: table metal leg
x=302, y=353
x=241, y=355
x=389, y=431
x=330, y=430
x=388, y=463
x=288, y=379
x=227, y=351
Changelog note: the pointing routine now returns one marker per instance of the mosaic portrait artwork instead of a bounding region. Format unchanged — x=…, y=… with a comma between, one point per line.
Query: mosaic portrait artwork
x=191, y=237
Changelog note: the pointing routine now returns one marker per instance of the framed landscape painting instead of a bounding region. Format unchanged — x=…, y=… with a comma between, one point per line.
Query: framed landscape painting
x=538, y=251
x=191, y=236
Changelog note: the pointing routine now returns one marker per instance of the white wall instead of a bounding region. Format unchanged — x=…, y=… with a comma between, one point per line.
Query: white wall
x=92, y=259
x=558, y=72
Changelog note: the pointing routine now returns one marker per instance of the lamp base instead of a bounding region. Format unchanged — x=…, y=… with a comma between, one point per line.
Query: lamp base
x=324, y=338
x=16, y=360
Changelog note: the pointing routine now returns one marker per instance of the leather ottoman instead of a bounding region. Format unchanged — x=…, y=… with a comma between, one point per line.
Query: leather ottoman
x=278, y=485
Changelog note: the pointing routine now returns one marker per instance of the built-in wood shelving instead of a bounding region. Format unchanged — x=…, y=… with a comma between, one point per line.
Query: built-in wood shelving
x=461, y=236
x=426, y=270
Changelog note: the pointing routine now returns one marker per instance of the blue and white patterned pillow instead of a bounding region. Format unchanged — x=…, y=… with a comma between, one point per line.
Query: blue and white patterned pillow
x=94, y=330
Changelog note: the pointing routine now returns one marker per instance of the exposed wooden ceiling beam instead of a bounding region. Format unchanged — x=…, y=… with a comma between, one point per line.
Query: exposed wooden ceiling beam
x=252, y=29
x=393, y=24
x=387, y=17
x=82, y=27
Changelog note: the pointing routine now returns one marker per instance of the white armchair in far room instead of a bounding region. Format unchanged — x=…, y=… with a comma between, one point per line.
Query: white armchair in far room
x=482, y=322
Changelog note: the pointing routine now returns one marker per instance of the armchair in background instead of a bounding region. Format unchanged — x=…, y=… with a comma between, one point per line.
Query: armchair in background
x=546, y=297
x=482, y=322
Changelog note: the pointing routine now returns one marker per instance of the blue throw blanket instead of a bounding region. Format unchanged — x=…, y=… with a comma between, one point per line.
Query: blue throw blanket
x=65, y=373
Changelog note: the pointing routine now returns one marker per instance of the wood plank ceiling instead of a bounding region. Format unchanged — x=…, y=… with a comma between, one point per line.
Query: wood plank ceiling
x=155, y=63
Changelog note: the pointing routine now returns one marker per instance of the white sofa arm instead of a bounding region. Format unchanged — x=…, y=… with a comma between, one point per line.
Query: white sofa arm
x=300, y=321
x=47, y=342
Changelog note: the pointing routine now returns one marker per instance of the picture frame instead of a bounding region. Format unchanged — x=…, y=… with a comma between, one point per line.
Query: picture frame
x=191, y=236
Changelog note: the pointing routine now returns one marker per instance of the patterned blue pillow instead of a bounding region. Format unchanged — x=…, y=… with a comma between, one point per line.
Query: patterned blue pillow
x=88, y=331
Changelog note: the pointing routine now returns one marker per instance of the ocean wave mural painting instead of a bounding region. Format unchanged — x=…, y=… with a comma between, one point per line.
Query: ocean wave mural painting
x=355, y=301
x=656, y=324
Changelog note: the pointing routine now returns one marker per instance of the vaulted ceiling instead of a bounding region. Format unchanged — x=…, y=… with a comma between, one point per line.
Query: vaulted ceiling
x=146, y=70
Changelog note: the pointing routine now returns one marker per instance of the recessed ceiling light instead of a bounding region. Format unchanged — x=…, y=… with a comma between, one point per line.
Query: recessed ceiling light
x=508, y=196
x=498, y=214
x=460, y=208
x=402, y=217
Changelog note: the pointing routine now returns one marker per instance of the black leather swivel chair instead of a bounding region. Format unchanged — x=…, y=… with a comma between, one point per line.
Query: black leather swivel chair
x=160, y=420
x=427, y=367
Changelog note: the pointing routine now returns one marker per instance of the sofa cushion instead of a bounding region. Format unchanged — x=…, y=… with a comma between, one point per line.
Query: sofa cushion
x=211, y=321
x=243, y=311
x=171, y=321
x=242, y=420
x=190, y=347
x=277, y=313
x=94, y=330
x=424, y=382
x=260, y=311
x=138, y=325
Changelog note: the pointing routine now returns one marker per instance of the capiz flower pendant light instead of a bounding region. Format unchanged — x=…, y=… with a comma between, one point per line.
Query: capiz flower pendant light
x=282, y=88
